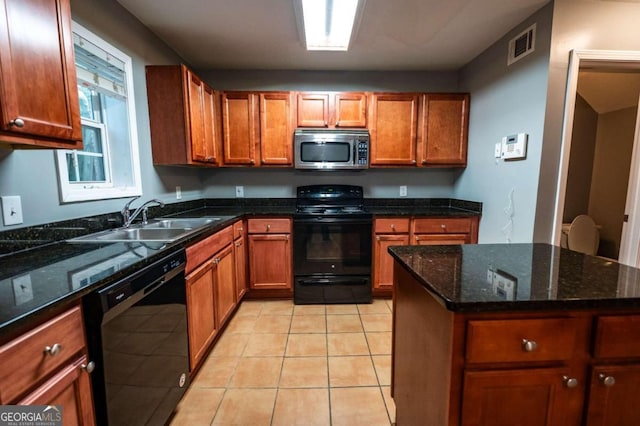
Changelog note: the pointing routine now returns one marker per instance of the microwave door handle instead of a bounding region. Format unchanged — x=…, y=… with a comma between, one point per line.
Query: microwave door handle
x=355, y=159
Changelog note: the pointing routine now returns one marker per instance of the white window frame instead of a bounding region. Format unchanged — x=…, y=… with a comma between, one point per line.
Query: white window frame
x=87, y=191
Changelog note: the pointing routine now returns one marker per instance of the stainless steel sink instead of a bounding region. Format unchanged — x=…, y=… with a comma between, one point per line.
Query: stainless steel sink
x=134, y=234
x=194, y=222
x=164, y=230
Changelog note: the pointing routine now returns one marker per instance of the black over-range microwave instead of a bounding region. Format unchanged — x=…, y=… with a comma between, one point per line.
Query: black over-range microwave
x=329, y=149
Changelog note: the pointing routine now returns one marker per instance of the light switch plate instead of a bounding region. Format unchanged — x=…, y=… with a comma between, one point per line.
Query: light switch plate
x=403, y=190
x=11, y=210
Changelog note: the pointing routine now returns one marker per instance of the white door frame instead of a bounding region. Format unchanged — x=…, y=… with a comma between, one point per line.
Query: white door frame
x=594, y=57
x=629, y=244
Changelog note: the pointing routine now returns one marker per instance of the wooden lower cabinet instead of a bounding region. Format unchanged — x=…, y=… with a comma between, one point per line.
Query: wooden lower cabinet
x=211, y=291
x=523, y=397
x=545, y=368
x=614, y=396
x=270, y=257
x=71, y=389
x=224, y=284
x=200, y=312
x=444, y=231
x=48, y=366
x=240, y=254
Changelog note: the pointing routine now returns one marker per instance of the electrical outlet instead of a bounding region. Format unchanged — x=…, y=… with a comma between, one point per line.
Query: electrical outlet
x=497, y=150
x=178, y=193
x=12, y=210
x=239, y=191
x=403, y=190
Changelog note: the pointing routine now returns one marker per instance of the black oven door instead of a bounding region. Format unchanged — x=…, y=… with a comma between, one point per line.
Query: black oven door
x=332, y=246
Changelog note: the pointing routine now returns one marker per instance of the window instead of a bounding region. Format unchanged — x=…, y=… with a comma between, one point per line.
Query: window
x=108, y=166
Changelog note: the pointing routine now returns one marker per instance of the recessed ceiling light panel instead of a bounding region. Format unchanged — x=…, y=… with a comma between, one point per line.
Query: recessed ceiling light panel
x=329, y=24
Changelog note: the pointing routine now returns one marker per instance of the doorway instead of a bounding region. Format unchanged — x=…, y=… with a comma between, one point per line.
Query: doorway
x=600, y=167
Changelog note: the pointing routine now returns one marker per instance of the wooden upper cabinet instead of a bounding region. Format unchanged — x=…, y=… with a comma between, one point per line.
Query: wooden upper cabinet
x=332, y=110
x=444, y=128
x=276, y=129
x=184, y=117
x=313, y=110
x=39, y=102
x=240, y=128
x=393, y=124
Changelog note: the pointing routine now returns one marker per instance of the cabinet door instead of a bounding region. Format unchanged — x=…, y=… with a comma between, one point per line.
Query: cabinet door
x=614, y=396
x=270, y=261
x=38, y=85
x=276, y=131
x=200, y=312
x=393, y=123
x=240, y=253
x=239, y=128
x=195, y=98
x=70, y=388
x=225, y=294
x=444, y=132
x=382, y=260
x=350, y=109
x=527, y=397
x=313, y=110
x=211, y=125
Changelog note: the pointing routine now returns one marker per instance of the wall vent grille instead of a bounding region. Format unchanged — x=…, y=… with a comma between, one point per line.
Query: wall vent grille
x=522, y=45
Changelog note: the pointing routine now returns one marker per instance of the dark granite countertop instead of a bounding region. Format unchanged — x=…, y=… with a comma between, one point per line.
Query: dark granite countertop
x=519, y=277
x=40, y=272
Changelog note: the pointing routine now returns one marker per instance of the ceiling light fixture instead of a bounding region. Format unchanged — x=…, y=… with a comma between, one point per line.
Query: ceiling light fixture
x=329, y=24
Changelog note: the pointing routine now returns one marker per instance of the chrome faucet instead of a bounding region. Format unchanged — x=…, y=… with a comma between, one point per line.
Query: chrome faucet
x=128, y=218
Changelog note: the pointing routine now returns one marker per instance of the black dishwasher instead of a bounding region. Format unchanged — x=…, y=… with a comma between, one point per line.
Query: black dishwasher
x=137, y=335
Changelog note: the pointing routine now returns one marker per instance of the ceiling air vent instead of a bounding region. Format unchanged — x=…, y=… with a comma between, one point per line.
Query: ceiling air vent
x=522, y=44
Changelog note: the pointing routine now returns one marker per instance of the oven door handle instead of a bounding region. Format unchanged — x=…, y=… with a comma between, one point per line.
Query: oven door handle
x=338, y=220
x=342, y=281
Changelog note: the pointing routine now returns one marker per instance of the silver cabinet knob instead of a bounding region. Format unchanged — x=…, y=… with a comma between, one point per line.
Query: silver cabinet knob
x=443, y=226
x=378, y=237
x=18, y=122
x=393, y=226
x=238, y=244
x=529, y=345
x=570, y=382
x=252, y=161
x=607, y=380
x=53, y=350
x=89, y=367
x=268, y=227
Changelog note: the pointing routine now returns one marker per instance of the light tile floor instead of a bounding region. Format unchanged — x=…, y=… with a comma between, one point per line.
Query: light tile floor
x=283, y=364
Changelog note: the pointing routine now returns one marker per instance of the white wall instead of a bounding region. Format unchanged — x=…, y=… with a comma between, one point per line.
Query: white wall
x=506, y=100
x=577, y=24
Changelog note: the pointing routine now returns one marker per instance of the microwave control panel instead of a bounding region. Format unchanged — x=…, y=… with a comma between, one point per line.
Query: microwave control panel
x=363, y=152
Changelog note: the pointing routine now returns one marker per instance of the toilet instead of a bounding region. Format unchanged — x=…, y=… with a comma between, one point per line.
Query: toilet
x=583, y=235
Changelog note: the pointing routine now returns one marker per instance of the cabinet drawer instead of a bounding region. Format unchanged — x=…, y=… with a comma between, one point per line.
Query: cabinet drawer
x=238, y=229
x=392, y=225
x=617, y=337
x=521, y=340
x=203, y=250
x=443, y=225
x=269, y=226
x=25, y=361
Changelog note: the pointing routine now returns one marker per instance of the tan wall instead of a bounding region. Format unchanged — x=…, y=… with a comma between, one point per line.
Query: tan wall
x=583, y=145
x=614, y=145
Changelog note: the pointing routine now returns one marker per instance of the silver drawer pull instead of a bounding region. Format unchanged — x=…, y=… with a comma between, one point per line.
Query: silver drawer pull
x=529, y=345
x=607, y=380
x=89, y=367
x=570, y=382
x=53, y=350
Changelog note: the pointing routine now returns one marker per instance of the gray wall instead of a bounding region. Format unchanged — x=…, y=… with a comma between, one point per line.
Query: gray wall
x=577, y=24
x=506, y=100
x=32, y=174
x=612, y=160
x=583, y=145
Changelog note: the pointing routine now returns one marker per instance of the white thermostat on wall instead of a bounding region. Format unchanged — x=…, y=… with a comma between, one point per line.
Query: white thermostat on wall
x=514, y=147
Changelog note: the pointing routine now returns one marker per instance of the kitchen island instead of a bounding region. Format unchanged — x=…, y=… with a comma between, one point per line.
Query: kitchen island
x=514, y=334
